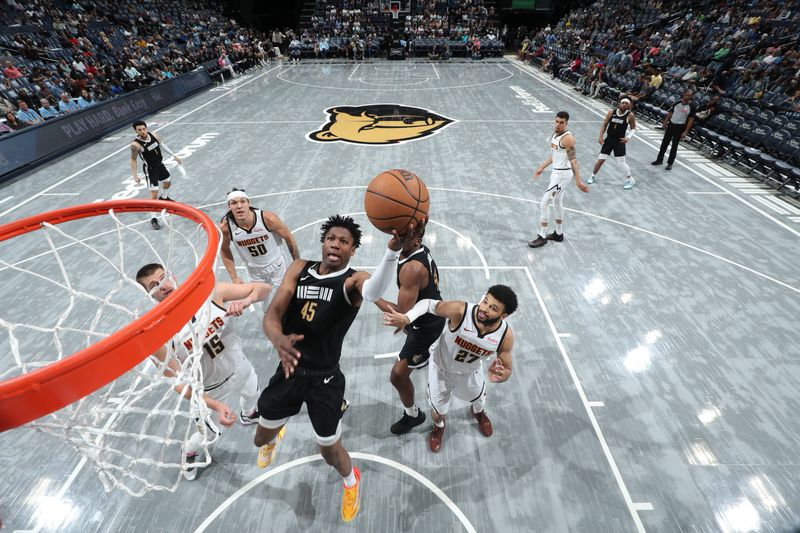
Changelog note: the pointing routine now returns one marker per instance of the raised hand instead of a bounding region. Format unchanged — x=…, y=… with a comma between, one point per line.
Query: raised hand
x=235, y=307
x=496, y=371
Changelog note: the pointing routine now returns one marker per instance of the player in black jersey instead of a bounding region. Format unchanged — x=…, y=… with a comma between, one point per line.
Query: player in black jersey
x=307, y=320
x=417, y=279
x=617, y=135
x=147, y=146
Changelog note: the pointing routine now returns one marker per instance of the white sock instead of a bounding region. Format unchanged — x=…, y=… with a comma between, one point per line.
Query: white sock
x=439, y=424
x=558, y=228
x=412, y=411
x=543, y=232
x=476, y=412
x=349, y=479
x=593, y=175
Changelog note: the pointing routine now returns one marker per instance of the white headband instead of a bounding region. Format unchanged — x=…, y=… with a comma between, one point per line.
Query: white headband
x=237, y=194
x=624, y=100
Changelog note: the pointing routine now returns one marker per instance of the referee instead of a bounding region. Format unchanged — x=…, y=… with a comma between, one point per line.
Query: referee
x=677, y=124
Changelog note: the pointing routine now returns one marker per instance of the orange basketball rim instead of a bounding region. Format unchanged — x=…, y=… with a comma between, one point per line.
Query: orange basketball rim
x=47, y=389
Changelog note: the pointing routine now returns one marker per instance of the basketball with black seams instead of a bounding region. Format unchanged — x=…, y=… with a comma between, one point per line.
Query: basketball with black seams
x=395, y=200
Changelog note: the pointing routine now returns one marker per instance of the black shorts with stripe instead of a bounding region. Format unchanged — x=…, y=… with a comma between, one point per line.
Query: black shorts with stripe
x=321, y=391
x=612, y=144
x=155, y=173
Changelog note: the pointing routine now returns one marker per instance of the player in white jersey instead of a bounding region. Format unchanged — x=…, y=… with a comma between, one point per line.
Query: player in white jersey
x=226, y=371
x=473, y=333
x=565, y=168
x=257, y=235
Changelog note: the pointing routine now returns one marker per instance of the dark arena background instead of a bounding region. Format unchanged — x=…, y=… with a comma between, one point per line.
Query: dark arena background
x=656, y=343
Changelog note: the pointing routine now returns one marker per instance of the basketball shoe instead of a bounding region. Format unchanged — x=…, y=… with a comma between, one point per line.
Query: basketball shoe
x=435, y=438
x=266, y=453
x=351, y=499
x=484, y=424
x=246, y=420
x=407, y=423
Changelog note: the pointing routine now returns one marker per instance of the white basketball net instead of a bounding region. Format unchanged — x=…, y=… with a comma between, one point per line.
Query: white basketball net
x=73, y=285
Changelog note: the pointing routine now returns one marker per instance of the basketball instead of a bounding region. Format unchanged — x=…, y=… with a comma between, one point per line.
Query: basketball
x=395, y=199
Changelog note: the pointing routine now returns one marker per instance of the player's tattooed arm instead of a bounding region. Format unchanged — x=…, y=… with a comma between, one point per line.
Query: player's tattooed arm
x=134, y=155
x=571, y=153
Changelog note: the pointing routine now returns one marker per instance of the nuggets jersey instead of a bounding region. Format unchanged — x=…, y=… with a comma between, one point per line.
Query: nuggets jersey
x=259, y=248
x=618, y=125
x=429, y=291
x=321, y=312
x=558, y=152
x=222, y=348
x=461, y=351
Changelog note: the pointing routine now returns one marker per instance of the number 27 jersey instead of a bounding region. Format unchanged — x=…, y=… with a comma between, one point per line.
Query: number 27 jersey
x=462, y=350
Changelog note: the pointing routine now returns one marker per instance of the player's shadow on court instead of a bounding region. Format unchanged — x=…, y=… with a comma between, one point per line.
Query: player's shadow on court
x=370, y=420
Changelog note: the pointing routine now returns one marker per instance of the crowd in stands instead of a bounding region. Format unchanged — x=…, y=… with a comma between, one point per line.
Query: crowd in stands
x=741, y=59
x=58, y=57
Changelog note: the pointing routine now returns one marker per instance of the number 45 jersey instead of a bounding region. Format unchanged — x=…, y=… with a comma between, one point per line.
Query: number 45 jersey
x=222, y=348
x=462, y=350
x=320, y=311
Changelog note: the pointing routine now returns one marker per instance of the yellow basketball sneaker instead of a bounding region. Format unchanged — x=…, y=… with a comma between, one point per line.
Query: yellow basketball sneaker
x=267, y=452
x=351, y=499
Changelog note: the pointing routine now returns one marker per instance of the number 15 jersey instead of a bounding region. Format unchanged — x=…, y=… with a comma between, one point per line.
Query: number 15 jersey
x=462, y=350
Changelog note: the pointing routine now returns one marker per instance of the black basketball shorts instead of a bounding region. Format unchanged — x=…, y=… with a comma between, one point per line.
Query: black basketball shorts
x=419, y=339
x=614, y=145
x=156, y=173
x=322, y=394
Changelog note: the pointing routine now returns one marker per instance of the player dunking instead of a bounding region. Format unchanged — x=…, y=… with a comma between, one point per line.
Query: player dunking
x=565, y=168
x=473, y=333
x=307, y=321
x=258, y=236
x=226, y=370
x=147, y=146
x=417, y=279
x=615, y=128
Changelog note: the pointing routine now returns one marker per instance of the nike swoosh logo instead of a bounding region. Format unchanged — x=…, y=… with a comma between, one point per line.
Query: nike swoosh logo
x=326, y=380
x=414, y=327
x=304, y=278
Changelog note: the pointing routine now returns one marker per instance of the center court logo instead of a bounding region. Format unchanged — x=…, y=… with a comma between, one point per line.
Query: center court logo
x=378, y=124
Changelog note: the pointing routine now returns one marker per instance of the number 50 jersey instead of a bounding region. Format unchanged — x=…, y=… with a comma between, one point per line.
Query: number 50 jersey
x=461, y=351
x=258, y=247
x=222, y=348
x=320, y=311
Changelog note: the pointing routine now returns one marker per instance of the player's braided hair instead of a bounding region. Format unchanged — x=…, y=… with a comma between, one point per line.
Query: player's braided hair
x=338, y=221
x=505, y=296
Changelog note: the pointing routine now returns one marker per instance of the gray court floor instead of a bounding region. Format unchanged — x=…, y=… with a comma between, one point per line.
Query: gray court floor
x=654, y=385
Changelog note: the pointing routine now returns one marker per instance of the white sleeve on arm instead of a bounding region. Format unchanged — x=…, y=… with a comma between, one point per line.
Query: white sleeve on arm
x=421, y=307
x=165, y=147
x=376, y=285
x=630, y=133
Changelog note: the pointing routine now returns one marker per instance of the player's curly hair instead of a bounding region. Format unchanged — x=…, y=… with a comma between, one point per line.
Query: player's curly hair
x=505, y=296
x=338, y=221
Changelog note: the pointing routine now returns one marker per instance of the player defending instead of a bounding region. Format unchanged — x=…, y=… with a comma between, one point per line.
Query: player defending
x=307, y=321
x=226, y=370
x=147, y=146
x=565, y=167
x=473, y=333
x=418, y=279
x=615, y=127
x=258, y=236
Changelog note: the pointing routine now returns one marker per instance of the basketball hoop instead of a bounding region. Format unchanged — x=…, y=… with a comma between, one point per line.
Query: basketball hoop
x=394, y=8
x=94, y=391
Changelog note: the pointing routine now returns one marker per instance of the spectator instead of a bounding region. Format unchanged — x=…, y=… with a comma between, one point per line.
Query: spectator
x=85, y=100
x=27, y=116
x=46, y=110
x=224, y=63
x=12, y=122
x=66, y=105
x=11, y=71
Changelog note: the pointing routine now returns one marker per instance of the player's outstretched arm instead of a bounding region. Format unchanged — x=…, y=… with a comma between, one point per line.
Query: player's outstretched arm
x=226, y=415
x=452, y=310
x=370, y=288
x=236, y=297
x=500, y=369
x=225, y=252
x=274, y=222
x=166, y=148
x=284, y=344
x=543, y=166
x=413, y=277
